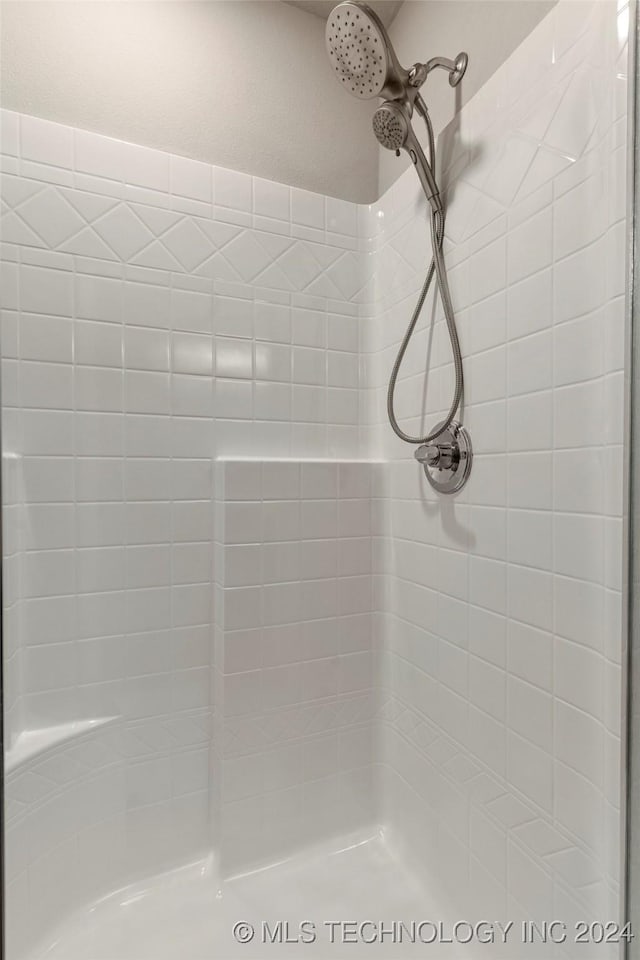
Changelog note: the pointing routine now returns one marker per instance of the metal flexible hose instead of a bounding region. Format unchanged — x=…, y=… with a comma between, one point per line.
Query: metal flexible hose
x=438, y=267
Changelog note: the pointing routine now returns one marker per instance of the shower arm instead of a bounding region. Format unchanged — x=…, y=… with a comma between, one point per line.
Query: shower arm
x=456, y=68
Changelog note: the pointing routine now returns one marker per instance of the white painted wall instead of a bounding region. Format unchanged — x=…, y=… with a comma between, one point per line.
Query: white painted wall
x=245, y=85
x=489, y=30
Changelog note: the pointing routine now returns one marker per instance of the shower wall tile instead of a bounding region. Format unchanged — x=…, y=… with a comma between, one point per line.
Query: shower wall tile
x=496, y=648
x=293, y=656
x=157, y=313
x=97, y=340
x=104, y=798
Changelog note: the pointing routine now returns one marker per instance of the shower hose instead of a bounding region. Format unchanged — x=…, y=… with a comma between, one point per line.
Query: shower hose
x=437, y=267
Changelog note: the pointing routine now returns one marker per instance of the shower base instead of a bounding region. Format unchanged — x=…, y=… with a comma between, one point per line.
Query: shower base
x=181, y=915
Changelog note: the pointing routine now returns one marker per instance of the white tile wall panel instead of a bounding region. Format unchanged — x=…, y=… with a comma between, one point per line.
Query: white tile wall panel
x=86, y=811
x=496, y=652
x=155, y=313
x=296, y=702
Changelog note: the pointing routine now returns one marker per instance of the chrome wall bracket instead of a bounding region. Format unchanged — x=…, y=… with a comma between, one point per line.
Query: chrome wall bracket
x=447, y=459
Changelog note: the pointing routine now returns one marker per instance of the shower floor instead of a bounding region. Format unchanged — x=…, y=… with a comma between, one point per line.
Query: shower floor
x=179, y=916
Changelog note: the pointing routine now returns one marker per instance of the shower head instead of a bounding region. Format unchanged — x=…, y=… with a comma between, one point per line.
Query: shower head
x=393, y=130
x=390, y=126
x=361, y=53
x=365, y=62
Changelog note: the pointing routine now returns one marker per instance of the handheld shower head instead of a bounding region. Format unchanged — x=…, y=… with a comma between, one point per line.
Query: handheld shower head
x=393, y=130
x=361, y=53
x=390, y=126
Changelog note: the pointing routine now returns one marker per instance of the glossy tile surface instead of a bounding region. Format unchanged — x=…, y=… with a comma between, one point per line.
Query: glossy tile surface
x=296, y=703
x=179, y=915
x=502, y=671
x=156, y=313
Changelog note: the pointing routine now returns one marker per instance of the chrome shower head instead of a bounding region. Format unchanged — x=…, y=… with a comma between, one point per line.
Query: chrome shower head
x=365, y=63
x=390, y=126
x=361, y=53
x=393, y=130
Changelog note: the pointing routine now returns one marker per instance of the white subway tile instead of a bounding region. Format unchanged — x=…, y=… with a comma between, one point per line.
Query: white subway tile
x=145, y=168
x=45, y=338
x=307, y=208
x=97, y=344
x=189, y=178
x=99, y=298
x=100, y=156
x=46, y=142
x=271, y=199
x=146, y=349
x=529, y=247
x=232, y=189
x=192, y=354
x=234, y=358
x=46, y=291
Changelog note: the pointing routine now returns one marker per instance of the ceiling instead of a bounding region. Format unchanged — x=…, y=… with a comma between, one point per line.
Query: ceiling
x=386, y=9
